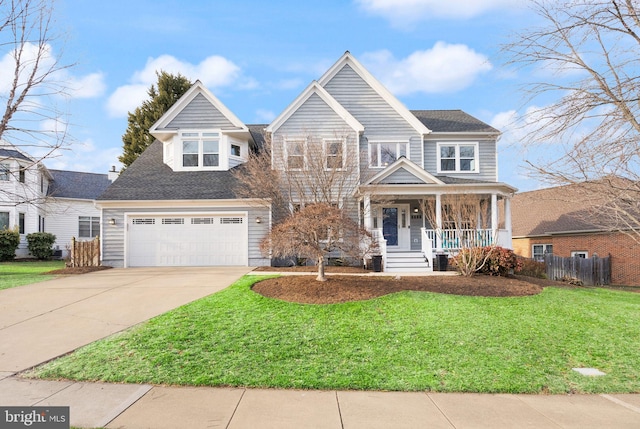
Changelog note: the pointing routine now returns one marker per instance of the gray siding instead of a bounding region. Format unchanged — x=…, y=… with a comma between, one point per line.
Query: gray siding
x=401, y=176
x=198, y=114
x=113, y=235
x=487, y=160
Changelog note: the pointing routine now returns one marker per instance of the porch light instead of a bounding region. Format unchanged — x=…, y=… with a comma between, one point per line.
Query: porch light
x=258, y=219
x=415, y=210
x=112, y=221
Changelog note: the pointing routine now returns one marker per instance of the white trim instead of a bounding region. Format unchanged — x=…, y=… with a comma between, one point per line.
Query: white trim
x=164, y=204
x=457, y=145
x=347, y=58
x=315, y=88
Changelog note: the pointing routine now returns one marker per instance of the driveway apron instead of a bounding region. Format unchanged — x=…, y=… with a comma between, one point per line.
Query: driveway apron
x=42, y=321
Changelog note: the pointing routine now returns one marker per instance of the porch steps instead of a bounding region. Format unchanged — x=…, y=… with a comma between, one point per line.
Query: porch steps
x=406, y=262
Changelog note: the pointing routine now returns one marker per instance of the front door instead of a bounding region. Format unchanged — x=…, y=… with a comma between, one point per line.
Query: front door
x=395, y=226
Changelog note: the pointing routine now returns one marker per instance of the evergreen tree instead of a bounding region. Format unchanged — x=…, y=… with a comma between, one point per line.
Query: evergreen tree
x=137, y=138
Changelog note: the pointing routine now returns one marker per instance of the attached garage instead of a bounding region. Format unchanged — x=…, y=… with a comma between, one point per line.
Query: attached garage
x=211, y=239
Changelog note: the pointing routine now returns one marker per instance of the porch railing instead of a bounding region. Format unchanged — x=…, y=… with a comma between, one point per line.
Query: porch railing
x=454, y=239
x=427, y=246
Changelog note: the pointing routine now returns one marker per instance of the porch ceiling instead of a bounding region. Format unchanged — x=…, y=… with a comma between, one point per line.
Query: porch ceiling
x=416, y=190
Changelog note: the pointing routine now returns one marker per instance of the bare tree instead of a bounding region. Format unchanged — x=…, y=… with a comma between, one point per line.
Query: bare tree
x=297, y=177
x=32, y=82
x=315, y=231
x=465, y=220
x=589, y=51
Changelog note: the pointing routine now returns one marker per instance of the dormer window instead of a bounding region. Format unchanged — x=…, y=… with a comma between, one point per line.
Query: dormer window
x=200, y=149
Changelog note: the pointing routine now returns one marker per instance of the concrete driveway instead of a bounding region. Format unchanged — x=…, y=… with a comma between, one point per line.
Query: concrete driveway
x=44, y=320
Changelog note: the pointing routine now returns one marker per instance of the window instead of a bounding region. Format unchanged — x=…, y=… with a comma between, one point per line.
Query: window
x=21, y=223
x=88, y=226
x=40, y=223
x=4, y=220
x=333, y=150
x=236, y=150
x=200, y=149
x=4, y=172
x=458, y=157
x=295, y=154
x=539, y=250
x=579, y=254
x=381, y=154
x=21, y=175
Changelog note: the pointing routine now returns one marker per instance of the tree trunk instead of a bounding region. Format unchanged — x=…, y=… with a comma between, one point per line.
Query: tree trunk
x=321, y=277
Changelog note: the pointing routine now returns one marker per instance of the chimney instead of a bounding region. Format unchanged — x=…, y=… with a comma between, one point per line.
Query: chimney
x=113, y=174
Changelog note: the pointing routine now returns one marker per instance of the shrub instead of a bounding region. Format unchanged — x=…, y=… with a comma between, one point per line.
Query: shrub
x=532, y=268
x=40, y=244
x=495, y=261
x=9, y=241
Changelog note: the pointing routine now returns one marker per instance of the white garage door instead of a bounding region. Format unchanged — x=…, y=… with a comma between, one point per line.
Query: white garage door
x=187, y=240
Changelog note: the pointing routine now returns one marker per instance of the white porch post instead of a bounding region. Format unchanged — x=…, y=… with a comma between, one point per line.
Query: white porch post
x=438, y=222
x=507, y=219
x=367, y=212
x=494, y=217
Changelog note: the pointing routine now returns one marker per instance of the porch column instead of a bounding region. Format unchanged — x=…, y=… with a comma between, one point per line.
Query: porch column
x=438, y=222
x=367, y=212
x=494, y=217
x=507, y=219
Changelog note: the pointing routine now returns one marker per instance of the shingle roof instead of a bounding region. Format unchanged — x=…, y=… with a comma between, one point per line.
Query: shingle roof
x=74, y=184
x=149, y=178
x=258, y=132
x=567, y=208
x=452, y=121
x=10, y=153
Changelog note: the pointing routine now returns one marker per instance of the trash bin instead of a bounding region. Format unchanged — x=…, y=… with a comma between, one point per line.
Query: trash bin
x=377, y=263
x=442, y=262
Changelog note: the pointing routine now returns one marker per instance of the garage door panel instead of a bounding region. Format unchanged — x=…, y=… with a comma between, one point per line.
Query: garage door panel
x=172, y=240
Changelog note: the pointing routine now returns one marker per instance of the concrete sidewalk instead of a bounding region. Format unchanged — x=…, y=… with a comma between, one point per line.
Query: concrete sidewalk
x=129, y=406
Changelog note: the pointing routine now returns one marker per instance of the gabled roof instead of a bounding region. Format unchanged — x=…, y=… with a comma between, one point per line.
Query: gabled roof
x=149, y=178
x=197, y=88
x=315, y=88
x=421, y=175
x=561, y=209
x=452, y=121
x=348, y=59
x=75, y=184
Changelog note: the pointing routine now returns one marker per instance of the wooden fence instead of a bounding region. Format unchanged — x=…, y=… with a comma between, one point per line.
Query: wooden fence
x=590, y=271
x=84, y=253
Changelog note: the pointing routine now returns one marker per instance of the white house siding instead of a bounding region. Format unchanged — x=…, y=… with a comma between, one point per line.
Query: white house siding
x=62, y=220
x=487, y=158
x=113, y=241
x=200, y=114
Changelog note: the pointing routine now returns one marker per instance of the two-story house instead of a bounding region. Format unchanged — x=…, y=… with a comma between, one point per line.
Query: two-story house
x=176, y=204
x=36, y=199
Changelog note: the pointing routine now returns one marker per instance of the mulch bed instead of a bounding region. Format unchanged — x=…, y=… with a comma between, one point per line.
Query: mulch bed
x=305, y=289
x=76, y=270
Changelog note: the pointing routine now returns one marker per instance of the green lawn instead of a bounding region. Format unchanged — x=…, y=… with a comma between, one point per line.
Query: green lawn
x=406, y=341
x=23, y=273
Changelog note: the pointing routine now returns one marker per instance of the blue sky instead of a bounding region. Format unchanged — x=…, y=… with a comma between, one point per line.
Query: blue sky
x=257, y=56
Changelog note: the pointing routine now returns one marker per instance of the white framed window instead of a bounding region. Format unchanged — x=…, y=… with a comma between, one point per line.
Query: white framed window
x=295, y=153
x=200, y=149
x=4, y=220
x=5, y=172
x=539, y=250
x=236, y=150
x=334, y=154
x=88, y=226
x=21, y=217
x=579, y=254
x=384, y=153
x=458, y=157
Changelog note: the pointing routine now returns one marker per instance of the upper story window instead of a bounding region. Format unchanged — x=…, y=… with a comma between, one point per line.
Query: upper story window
x=295, y=154
x=458, y=157
x=382, y=154
x=4, y=172
x=236, y=150
x=200, y=149
x=333, y=151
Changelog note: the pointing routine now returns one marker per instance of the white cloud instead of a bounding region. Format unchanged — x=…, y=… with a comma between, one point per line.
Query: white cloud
x=263, y=115
x=89, y=86
x=214, y=72
x=85, y=156
x=443, y=68
x=407, y=12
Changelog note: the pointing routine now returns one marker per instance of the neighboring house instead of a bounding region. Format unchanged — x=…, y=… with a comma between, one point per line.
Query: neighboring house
x=563, y=220
x=36, y=199
x=176, y=204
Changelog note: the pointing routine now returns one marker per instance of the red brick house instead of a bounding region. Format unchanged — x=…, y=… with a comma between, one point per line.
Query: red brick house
x=562, y=221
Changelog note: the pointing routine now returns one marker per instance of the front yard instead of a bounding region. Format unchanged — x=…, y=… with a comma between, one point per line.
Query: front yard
x=404, y=341
x=22, y=273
